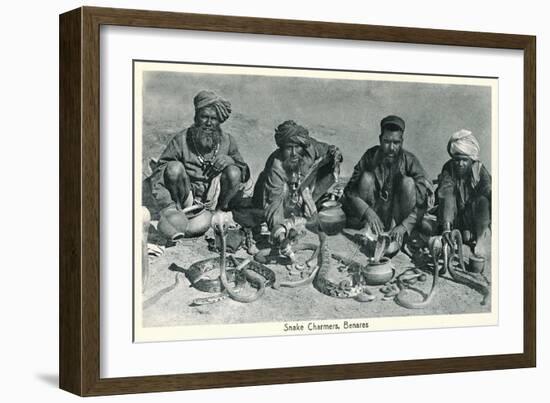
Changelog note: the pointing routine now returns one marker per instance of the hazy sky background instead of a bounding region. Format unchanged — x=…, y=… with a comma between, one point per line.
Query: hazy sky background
x=342, y=112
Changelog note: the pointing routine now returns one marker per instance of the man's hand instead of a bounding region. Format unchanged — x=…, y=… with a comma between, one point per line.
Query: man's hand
x=218, y=165
x=447, y=233
x=374, y=221
x=309, y=205
x=398, y=233
x=278, y=235
x=447, y=237
x=337, y=192
x=334, y=153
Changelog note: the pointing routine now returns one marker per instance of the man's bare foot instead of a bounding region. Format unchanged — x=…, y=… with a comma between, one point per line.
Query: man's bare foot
x=250, y=243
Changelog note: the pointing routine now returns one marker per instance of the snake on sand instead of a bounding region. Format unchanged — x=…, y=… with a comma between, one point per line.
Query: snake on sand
x=354, y=288
x=457, y=276
x=438, y=245
x=219, y=225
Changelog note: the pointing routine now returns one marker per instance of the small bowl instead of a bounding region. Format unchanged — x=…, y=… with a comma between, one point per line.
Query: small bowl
x=476, y=264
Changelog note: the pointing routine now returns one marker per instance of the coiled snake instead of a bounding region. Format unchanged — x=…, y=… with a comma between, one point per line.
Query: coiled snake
x=354, y=287
x=260, y=276
x=245, y=271
x=320, y=263
x=269, y=254
x=459, y=277
x=438, y=245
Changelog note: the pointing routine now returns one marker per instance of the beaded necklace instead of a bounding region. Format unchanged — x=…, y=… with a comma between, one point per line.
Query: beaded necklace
x=202, y=159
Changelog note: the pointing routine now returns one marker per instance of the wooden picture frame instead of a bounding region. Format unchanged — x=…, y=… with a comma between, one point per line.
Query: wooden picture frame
x=80, y=199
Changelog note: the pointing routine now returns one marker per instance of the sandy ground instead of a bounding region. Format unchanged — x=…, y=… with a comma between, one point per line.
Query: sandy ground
x=167, y=303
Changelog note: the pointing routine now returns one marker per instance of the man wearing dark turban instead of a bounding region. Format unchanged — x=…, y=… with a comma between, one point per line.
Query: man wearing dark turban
x=284, y=170
x=464, y=192
x=389, y=190
x=201, y=164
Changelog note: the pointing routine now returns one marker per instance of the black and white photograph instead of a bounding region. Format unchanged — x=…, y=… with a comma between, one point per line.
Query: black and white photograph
x=245, y=201
x=285, y=201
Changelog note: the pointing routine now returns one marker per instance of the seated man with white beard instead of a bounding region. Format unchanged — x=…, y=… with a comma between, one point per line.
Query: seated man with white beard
x=201, y=164
x=283, y=172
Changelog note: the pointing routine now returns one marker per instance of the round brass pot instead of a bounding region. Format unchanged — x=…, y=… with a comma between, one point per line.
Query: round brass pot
x=199, y=219
x=377, y=273
x=173, y=224
x=476, y=264
x=332, y=218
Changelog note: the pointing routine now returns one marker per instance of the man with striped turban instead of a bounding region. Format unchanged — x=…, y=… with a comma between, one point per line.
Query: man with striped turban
x=286, y=167
x=201, y=164
x=464, y=192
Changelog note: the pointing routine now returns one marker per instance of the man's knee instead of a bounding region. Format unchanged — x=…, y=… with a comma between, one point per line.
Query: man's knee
x=367, y=180
x=366, y=185
x=232, y=175
x=407, y=186
x=174, y=171
x=407, y=192
x=145, y=216
x=481, y=203
x=405, y=200
x=481, y=207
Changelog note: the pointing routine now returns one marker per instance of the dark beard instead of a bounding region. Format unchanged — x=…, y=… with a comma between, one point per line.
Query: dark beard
x=294, y=166
x=392, y=161
x=203, y=140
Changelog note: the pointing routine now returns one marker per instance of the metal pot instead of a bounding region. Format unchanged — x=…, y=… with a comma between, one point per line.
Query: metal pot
x=476, y=264
x=173, y=224
x=332, y=218
x=377, y=273
x=199, y=219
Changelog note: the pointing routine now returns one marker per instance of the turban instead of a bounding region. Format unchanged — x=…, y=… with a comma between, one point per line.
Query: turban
x=291, y=132
x=209, y=98
x=463, y=142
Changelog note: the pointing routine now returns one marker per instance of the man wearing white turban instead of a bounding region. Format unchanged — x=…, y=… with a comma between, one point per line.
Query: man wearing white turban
x=464, y=192
x=201, y=164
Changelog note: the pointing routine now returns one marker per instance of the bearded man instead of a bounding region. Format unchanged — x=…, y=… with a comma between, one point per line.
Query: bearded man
x=201, y=164
x=278, y=191
x=464, y=192
x=388, y=191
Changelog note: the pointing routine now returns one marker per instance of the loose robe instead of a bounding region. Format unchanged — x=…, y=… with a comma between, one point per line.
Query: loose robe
x=406, y=165
x=456, y=194
x=180, y=149
x=271, y=190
